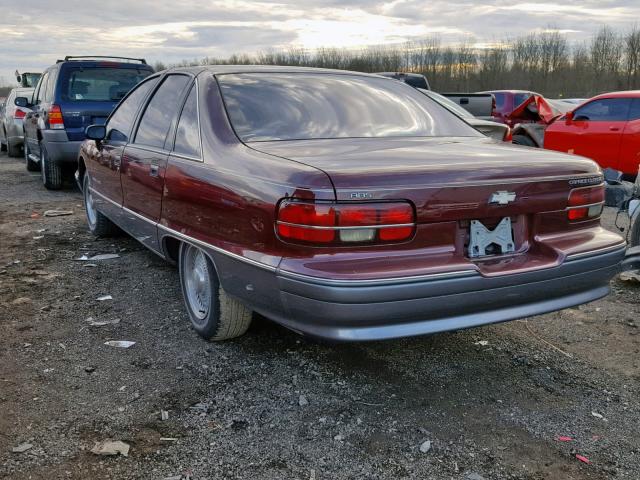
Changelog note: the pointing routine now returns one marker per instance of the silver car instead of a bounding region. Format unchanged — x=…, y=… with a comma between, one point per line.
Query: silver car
x=11, y=118
x=495, y=130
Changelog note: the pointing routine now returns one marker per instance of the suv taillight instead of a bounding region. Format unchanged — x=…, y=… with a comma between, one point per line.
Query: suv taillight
x=345, y=223
x=55, y=118
x=19, y=114
x=585, y=203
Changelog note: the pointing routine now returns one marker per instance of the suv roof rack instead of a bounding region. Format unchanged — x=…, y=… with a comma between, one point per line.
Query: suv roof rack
x=88, y=57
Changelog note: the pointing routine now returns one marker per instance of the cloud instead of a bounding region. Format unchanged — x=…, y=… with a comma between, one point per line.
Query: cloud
x=171, y=31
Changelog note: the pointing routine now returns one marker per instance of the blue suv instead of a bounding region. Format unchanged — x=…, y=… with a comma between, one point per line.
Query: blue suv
x=71, y=95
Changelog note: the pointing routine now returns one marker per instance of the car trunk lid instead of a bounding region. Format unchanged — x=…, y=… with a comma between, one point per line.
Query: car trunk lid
x=453, y=182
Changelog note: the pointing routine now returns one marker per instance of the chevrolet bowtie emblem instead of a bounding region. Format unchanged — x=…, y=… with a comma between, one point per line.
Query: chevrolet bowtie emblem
x=502, y=197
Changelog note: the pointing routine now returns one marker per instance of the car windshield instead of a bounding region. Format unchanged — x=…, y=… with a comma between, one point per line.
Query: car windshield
x=447, y=103
x=296, y=106
x=100, y=84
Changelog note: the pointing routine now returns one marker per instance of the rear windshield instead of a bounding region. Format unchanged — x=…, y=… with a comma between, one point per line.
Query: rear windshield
x=293, y=106
x=99, y=84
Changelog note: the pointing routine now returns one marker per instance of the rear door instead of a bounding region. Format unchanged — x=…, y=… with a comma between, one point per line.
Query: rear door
x=596, y=131
x=630, y=148
x=145, y=160
x=88, y=92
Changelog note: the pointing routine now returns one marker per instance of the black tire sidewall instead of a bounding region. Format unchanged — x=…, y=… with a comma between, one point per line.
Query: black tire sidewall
x=209, y=326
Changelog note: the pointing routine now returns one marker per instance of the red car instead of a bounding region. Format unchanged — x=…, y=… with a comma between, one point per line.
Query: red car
x=605, y=129
x=342, y=205
x=506, y=101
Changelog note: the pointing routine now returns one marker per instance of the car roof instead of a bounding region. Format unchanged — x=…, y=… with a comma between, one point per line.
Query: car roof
x=621, y=94
x=510, y=91
x=227, y=69
x=93, y=63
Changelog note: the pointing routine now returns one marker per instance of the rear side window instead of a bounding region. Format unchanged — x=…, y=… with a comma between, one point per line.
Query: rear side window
x=298, y=106
x=188, y=133
x=99, y=84
x=161, y=111
x=500, y=98
x=51, y=84
x=604, y=110
x=519, y=99
x=634, y=113
x=121, y=122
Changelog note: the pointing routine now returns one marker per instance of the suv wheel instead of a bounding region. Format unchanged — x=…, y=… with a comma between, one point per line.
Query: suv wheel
x=99, y=225
x=51, y=171
x=213, y=313
x=3, y=147
x=31, y=165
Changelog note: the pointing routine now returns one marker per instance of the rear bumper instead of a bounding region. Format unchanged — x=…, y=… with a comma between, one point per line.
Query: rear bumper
x=59, y=148
x=353, y=311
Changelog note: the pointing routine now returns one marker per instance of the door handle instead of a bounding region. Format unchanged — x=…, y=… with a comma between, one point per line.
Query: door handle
x=614, y=129
x=153, y=170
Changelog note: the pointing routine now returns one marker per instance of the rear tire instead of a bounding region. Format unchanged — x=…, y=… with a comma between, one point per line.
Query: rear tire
x=99, y=225
x=51, y=171
x=3, y=146
x=13, y=150
x=524, y=140
x=31, y=165
x=214, y=314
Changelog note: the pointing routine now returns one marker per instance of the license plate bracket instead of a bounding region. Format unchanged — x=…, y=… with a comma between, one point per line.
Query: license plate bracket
x=484, y=242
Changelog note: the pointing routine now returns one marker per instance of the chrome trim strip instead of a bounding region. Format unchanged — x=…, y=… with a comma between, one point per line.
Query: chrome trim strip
x=95, y=192
x=378, y=281
x=588, y=205
x=590, y=253
x=202, y=244
x=337, y=227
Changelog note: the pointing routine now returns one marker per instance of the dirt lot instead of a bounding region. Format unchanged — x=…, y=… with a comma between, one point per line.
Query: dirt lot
x=492, y=401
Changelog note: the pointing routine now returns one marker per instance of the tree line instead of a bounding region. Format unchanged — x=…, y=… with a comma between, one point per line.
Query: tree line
x=545, y=62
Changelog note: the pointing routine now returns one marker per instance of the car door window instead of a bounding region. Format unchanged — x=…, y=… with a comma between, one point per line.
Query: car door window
x=121, y=122
x=41, y=88
x=604, y=110
x=161, y=112
x=188, y=132
x=634, y=112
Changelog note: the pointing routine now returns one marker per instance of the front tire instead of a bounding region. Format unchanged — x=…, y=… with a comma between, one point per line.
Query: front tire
x=51, y=171
x=13, y=150
x=214, y=314
x=99, y=225
x=31, y=165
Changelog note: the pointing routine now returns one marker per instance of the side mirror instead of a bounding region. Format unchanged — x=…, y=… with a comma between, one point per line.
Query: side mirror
x=21, y=102
x=568, y=117
x=96, y=132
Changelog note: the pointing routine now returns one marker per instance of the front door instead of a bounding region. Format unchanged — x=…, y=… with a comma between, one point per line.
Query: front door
x=145, y=160
x=105, y=170
x=596, y=130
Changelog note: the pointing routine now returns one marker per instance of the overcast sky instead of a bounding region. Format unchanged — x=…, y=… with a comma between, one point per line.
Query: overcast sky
x=34, y=33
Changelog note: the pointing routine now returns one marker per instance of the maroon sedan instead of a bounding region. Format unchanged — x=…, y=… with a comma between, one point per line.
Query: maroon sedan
x=342, y=205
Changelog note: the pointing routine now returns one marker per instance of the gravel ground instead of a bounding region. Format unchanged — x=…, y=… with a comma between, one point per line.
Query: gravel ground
x=486, y=403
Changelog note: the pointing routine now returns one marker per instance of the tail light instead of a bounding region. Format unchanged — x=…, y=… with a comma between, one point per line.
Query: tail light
x=508, y=135
x=55, y=118
x=585, y=203
x=19, y=114
x=345, y=223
